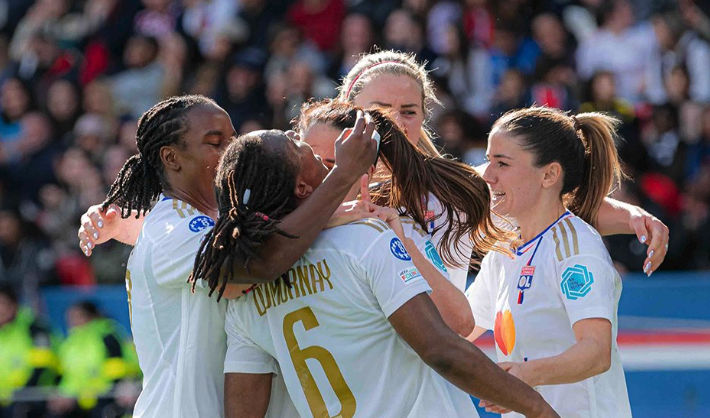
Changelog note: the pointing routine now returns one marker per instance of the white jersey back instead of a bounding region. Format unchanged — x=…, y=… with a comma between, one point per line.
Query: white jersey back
x=179, y=336
x=561, y=276
x=329, y=332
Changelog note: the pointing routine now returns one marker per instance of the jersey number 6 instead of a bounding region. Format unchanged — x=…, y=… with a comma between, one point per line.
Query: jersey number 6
x=323, y=356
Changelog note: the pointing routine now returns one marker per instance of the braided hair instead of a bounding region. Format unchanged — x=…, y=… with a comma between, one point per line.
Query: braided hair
x=254, y=185
x=142, y=177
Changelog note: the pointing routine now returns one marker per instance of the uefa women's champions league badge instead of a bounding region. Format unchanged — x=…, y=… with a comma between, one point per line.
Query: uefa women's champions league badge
x=525, y=281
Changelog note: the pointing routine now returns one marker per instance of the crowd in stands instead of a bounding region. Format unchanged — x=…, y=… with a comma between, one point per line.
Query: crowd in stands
x=75, y=75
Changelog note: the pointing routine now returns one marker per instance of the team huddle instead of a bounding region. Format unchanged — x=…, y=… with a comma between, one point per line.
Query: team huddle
x=322, y=272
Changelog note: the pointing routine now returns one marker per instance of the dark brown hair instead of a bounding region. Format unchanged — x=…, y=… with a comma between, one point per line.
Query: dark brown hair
x=463, y=194
x=583, y=145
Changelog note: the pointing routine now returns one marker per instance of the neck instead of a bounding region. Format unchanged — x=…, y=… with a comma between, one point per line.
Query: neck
x=205, y=204
x=543, y=215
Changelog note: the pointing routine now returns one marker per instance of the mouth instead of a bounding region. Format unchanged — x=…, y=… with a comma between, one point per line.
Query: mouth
x=497, y=195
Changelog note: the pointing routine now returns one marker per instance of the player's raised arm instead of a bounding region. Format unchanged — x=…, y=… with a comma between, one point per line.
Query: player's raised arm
x=355, y=152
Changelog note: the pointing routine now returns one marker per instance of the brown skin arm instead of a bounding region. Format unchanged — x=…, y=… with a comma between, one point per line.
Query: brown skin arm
x=418, y=322
x=246, y=395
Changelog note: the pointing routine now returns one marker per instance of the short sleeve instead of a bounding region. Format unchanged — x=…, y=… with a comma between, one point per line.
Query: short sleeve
x=174, y=253
x=426, y=247
x=586, y=284
x=390, y=273
x=480, y=295
x=243, y=354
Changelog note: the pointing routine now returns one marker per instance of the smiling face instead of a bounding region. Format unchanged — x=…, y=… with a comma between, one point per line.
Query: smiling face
x=514, y=180
x=210, y=131
x=400, y=94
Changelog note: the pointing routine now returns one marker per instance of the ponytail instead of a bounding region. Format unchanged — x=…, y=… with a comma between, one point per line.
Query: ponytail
x=602, y=169
x=583, y=145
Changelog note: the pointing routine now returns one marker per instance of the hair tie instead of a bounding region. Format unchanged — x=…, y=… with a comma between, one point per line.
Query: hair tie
x=245, y=198
x=262, y=216
x=366, y=69
x=577, y=126
x=236, y=232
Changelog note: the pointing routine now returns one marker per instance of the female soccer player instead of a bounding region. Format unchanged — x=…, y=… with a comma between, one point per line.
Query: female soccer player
x=553, y=305
x=350, y=325
x=408, y=173
x=396, y=81
x=180, y=141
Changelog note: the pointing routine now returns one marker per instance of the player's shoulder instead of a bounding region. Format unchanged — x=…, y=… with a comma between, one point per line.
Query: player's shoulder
x=355, y=238
x=173, y=219
x=412, y=229
x=572, y=237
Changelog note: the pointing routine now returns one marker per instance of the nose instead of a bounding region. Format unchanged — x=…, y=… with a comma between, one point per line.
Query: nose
x=488, y=173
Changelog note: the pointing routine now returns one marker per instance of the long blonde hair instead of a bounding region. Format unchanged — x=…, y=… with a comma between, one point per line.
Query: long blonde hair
x=370, y=66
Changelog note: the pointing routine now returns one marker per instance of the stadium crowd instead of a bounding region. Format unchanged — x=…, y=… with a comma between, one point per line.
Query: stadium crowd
x=75, y=75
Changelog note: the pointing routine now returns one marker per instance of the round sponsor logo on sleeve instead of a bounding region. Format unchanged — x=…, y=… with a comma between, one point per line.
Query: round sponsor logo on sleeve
x=398, y=250
x=198, y=223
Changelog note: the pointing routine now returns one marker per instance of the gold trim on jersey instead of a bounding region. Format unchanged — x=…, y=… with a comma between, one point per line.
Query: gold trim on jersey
x=569, y=251
x=377, y=224
x=415, y=225
x=305, y=278
x=180, y=206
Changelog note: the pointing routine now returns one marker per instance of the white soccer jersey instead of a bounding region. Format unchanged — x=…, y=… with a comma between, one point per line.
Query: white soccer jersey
x=425, y=244
x=531, y=301
x=179, y=336
x=329, y=332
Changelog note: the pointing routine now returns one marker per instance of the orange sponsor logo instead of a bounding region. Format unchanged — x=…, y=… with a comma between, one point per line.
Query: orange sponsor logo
x=504, y=331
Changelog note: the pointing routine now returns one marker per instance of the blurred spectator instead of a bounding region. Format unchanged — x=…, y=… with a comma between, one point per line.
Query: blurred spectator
x=157, y=19
x=242, y=94
x=286, y=47
x=356, y=37
x=319, y=21
x=63, y=106
x=465, y=73
x=15, y=101
x=27, y=354
x=463, y=137
x=619, y=47
x=678, y=47
x=208, y=20
x=93, y=359
x=139, y=86
x=511, y=94
x=25, y=258
x=602, y=98
x=403, y=32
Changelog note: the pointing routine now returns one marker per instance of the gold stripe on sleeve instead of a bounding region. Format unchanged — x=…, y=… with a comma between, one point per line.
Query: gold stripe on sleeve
x=190, y=210
x=372, y=225
x=565, y=239
x=575, y=242
x=557, y=244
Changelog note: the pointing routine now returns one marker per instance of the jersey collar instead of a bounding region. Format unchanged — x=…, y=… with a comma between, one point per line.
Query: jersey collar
x=523, y=248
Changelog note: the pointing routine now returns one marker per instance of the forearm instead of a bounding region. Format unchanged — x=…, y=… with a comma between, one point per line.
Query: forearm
x=467, y=367
x=130, y=229
x=246, y=395
x=614, y=216
x=279, y=253
x=581, y=361
x=451, y=302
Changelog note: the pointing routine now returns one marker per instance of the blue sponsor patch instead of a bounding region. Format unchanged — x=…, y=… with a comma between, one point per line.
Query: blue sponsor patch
x=398, y=250
x=198, y=223
x=433, y=256
x=576, y=282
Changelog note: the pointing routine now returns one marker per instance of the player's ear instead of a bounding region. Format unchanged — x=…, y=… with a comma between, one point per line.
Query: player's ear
x=302, y=190
x=552, y=174
x=170, y=158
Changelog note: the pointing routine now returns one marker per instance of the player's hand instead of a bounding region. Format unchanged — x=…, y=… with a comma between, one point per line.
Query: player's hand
x=355, y=150
x=98, y=227
x=491, y=407
x=650, y=230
